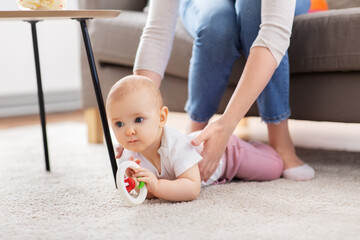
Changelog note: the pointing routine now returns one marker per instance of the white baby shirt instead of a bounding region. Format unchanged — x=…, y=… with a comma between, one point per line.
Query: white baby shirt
x=177, y=155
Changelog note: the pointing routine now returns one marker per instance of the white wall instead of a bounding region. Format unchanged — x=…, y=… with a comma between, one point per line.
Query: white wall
x=59, y=48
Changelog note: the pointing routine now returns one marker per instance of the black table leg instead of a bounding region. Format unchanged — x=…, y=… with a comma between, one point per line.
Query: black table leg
x=98, y=94
x=40, y=93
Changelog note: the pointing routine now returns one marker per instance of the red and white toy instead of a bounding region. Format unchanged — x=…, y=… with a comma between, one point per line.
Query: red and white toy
x=126, y=185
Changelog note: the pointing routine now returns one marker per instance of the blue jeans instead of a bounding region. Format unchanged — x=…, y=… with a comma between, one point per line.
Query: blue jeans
x=222, y=30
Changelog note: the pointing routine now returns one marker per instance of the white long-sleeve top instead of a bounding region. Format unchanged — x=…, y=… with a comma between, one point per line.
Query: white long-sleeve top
x=156, y=41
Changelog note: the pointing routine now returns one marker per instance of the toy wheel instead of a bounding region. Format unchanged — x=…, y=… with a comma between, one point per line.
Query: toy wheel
x=121, y=184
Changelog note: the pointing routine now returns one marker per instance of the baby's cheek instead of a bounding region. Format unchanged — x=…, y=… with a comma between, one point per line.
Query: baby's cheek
x=119, y=137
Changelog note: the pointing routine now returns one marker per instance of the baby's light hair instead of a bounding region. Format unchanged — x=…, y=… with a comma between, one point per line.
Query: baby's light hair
x=131, y=84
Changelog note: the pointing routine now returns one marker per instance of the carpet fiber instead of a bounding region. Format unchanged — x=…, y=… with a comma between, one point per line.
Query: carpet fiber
x=78, y=199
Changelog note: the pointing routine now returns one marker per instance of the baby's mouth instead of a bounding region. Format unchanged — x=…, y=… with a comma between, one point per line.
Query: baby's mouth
x=133, y=141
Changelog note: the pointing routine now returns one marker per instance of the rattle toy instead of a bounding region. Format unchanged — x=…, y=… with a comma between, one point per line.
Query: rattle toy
x=127, y=185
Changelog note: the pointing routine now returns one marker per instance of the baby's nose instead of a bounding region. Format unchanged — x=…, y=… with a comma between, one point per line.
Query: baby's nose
x=130, y=131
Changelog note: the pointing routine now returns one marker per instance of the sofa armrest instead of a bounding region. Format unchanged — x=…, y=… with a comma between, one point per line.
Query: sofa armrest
x=326, y=41
x=135, y=5
x=336, y=4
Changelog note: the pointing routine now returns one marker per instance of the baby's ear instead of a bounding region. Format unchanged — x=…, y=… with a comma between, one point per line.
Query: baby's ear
x=163, y=116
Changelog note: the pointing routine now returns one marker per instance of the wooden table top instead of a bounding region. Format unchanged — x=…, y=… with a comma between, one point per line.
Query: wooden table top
x=29, y=15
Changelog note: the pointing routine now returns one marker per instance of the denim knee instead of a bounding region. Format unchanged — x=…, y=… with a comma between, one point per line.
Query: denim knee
x=215, y=49
x=217, y=30
x=249, y=19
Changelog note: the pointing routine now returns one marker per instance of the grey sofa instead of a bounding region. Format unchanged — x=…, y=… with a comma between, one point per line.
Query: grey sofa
x=324, y=61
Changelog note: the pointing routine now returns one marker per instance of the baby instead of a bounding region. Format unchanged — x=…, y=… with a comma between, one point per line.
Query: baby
x=168, y=160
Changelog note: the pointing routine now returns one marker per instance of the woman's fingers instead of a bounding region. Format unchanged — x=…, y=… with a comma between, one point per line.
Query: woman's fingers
x=207, y=166
x=211, y=153
x=215, y=138
x=208, y=169
x=202, y=137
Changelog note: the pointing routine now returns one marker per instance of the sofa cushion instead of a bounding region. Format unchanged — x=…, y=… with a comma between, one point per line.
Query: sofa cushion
x=317, y=43
x=326, y=41
x=116, y=40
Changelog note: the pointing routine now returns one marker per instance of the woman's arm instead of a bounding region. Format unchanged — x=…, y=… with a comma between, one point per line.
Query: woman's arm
x=258, y=70
x=277, y=18
x=156, y=40
x=155, y=77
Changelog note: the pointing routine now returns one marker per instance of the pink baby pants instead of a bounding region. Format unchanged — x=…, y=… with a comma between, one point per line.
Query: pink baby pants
x=250, y=161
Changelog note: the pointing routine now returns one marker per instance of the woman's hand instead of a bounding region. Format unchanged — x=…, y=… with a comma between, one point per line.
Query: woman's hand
x=215, y=137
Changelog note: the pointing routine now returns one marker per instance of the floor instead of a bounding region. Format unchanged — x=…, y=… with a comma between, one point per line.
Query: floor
x=35, y=119
x=78, y=199
x=309, y=134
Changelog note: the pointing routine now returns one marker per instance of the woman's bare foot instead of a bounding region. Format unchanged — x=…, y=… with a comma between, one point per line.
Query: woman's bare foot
x=289, y=157
x=195, y=126
x=280, y=140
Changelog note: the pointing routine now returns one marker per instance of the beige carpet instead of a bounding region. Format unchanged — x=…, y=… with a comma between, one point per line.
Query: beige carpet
x=78, y=200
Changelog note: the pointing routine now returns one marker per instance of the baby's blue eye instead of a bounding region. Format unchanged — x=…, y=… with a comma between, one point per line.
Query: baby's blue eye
x=139, y=119
x=119, y=124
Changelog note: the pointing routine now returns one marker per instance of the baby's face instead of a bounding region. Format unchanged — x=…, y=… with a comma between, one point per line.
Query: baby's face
x=135, y=120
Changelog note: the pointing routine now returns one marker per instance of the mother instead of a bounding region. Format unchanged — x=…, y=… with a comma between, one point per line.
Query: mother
x=223, y=29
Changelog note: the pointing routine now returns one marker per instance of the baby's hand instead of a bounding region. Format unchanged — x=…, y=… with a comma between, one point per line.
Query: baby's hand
x=146, y=176
x=119, y=151
x=129, y=171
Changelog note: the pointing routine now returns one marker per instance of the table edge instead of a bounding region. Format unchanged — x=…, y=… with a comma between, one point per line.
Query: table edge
x=57, y=14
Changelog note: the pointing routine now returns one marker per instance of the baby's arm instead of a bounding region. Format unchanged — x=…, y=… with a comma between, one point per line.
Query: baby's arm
x=185, y=188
